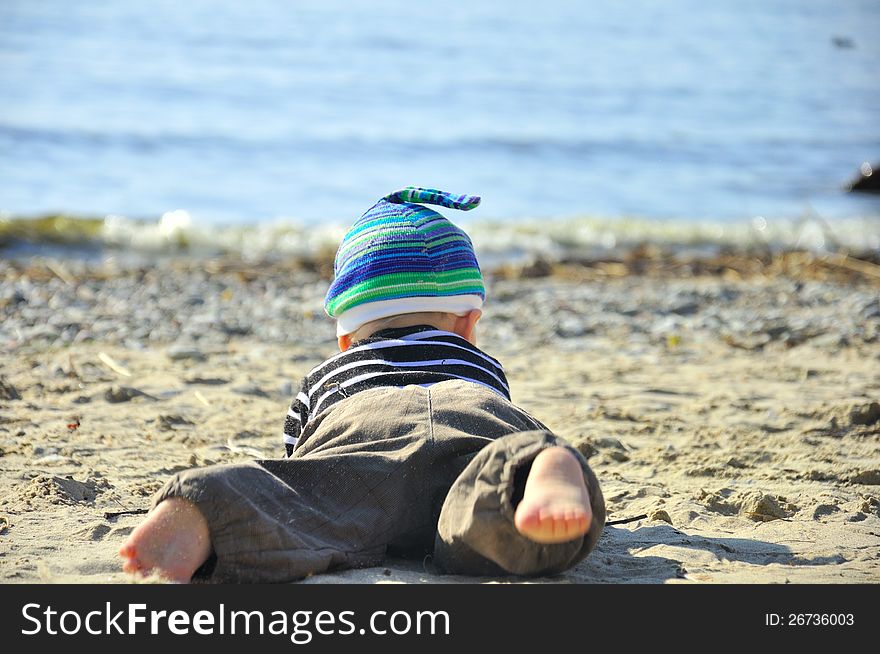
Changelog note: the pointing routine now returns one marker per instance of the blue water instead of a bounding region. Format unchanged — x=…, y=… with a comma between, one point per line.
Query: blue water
x=249, y=111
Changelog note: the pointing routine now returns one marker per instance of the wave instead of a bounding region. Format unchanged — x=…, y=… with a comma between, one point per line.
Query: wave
x=176, y=232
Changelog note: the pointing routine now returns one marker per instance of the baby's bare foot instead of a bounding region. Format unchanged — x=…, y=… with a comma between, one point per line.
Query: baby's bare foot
x=173, y=541
x=555, y=507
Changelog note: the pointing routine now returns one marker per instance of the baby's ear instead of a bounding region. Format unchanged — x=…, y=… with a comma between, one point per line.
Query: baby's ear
x=466, y=325
x=344, y=342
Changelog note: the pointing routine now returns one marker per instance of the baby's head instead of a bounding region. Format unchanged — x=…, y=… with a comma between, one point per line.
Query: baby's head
x=404, y=264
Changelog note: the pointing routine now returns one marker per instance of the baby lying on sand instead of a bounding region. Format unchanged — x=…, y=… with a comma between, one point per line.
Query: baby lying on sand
x=404, y=442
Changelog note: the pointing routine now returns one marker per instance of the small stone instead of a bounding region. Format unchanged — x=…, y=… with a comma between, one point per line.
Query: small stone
x=586, y=447
x=659, y=515
x=870, y=505
x=538, y=268
x=185, y=353
x=871, y=310
x=250, y=389
x=570, y=327
x=50, y=460
x=117, y=394
x=824, y=510
x=39, y=332
x=8, y=391
x=830, y=340
x=865, y=414
x=610, y=443
x=168, y=422
x=685, y=308
x=206, y=381
x=867, y=477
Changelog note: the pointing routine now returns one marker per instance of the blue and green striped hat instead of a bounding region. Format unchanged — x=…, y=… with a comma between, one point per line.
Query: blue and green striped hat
x=402, y=257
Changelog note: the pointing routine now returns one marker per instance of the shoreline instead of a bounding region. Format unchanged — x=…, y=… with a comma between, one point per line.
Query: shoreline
x=177, y=235
x=733, y=399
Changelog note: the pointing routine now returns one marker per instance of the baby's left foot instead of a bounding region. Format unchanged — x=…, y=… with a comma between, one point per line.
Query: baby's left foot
x=173, y=541
x=555, y=507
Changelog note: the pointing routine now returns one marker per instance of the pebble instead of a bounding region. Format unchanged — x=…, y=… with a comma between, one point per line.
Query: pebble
x=117, y=394
x=250, y=389
x=865, y=414
x=585, y=446
x=185, y=353
x=50, y=460
x=821, y=510
x=178, y=305
x=871, y=310
x=571, y=327
x=685, y=308
x=168, y=422
x=8, y=391
x=867, y=477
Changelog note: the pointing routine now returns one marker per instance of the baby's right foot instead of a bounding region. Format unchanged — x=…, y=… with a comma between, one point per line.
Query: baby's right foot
x=555, y=507
x=173, y=541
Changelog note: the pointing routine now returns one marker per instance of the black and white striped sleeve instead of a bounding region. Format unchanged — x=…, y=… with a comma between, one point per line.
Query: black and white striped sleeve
x=297, y=416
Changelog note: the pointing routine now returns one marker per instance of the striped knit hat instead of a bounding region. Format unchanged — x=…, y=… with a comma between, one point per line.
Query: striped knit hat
x=402, y=257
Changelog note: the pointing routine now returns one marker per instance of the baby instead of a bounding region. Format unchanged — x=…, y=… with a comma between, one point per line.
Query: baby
x=405, y=442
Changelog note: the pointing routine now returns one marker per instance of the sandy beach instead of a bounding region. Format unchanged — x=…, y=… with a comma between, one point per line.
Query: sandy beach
x=733, y=402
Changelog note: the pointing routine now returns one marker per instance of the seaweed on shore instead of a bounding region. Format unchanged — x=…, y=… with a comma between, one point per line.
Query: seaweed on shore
x=53, y=228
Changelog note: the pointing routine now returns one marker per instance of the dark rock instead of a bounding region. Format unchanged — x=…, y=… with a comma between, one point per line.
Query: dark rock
x=866, y=181
x=206, y=381
x=685, y=308
x=8, y=391
x=168, y=422
x=536, y=269
x=250, y=389
x=585, y=446
x=235, y=329
x=184, y=353
x=824, y=509
x=610, y=443
x=865, y=414
x=867, y=477
x=116, y=394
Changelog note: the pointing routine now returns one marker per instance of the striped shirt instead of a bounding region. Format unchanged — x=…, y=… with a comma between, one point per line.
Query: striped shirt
x=420, y=355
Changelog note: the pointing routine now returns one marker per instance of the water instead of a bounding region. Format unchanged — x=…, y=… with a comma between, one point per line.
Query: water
x=247, y=113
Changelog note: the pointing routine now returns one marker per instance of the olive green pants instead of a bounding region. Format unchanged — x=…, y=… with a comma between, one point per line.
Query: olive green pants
x=435, y=470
